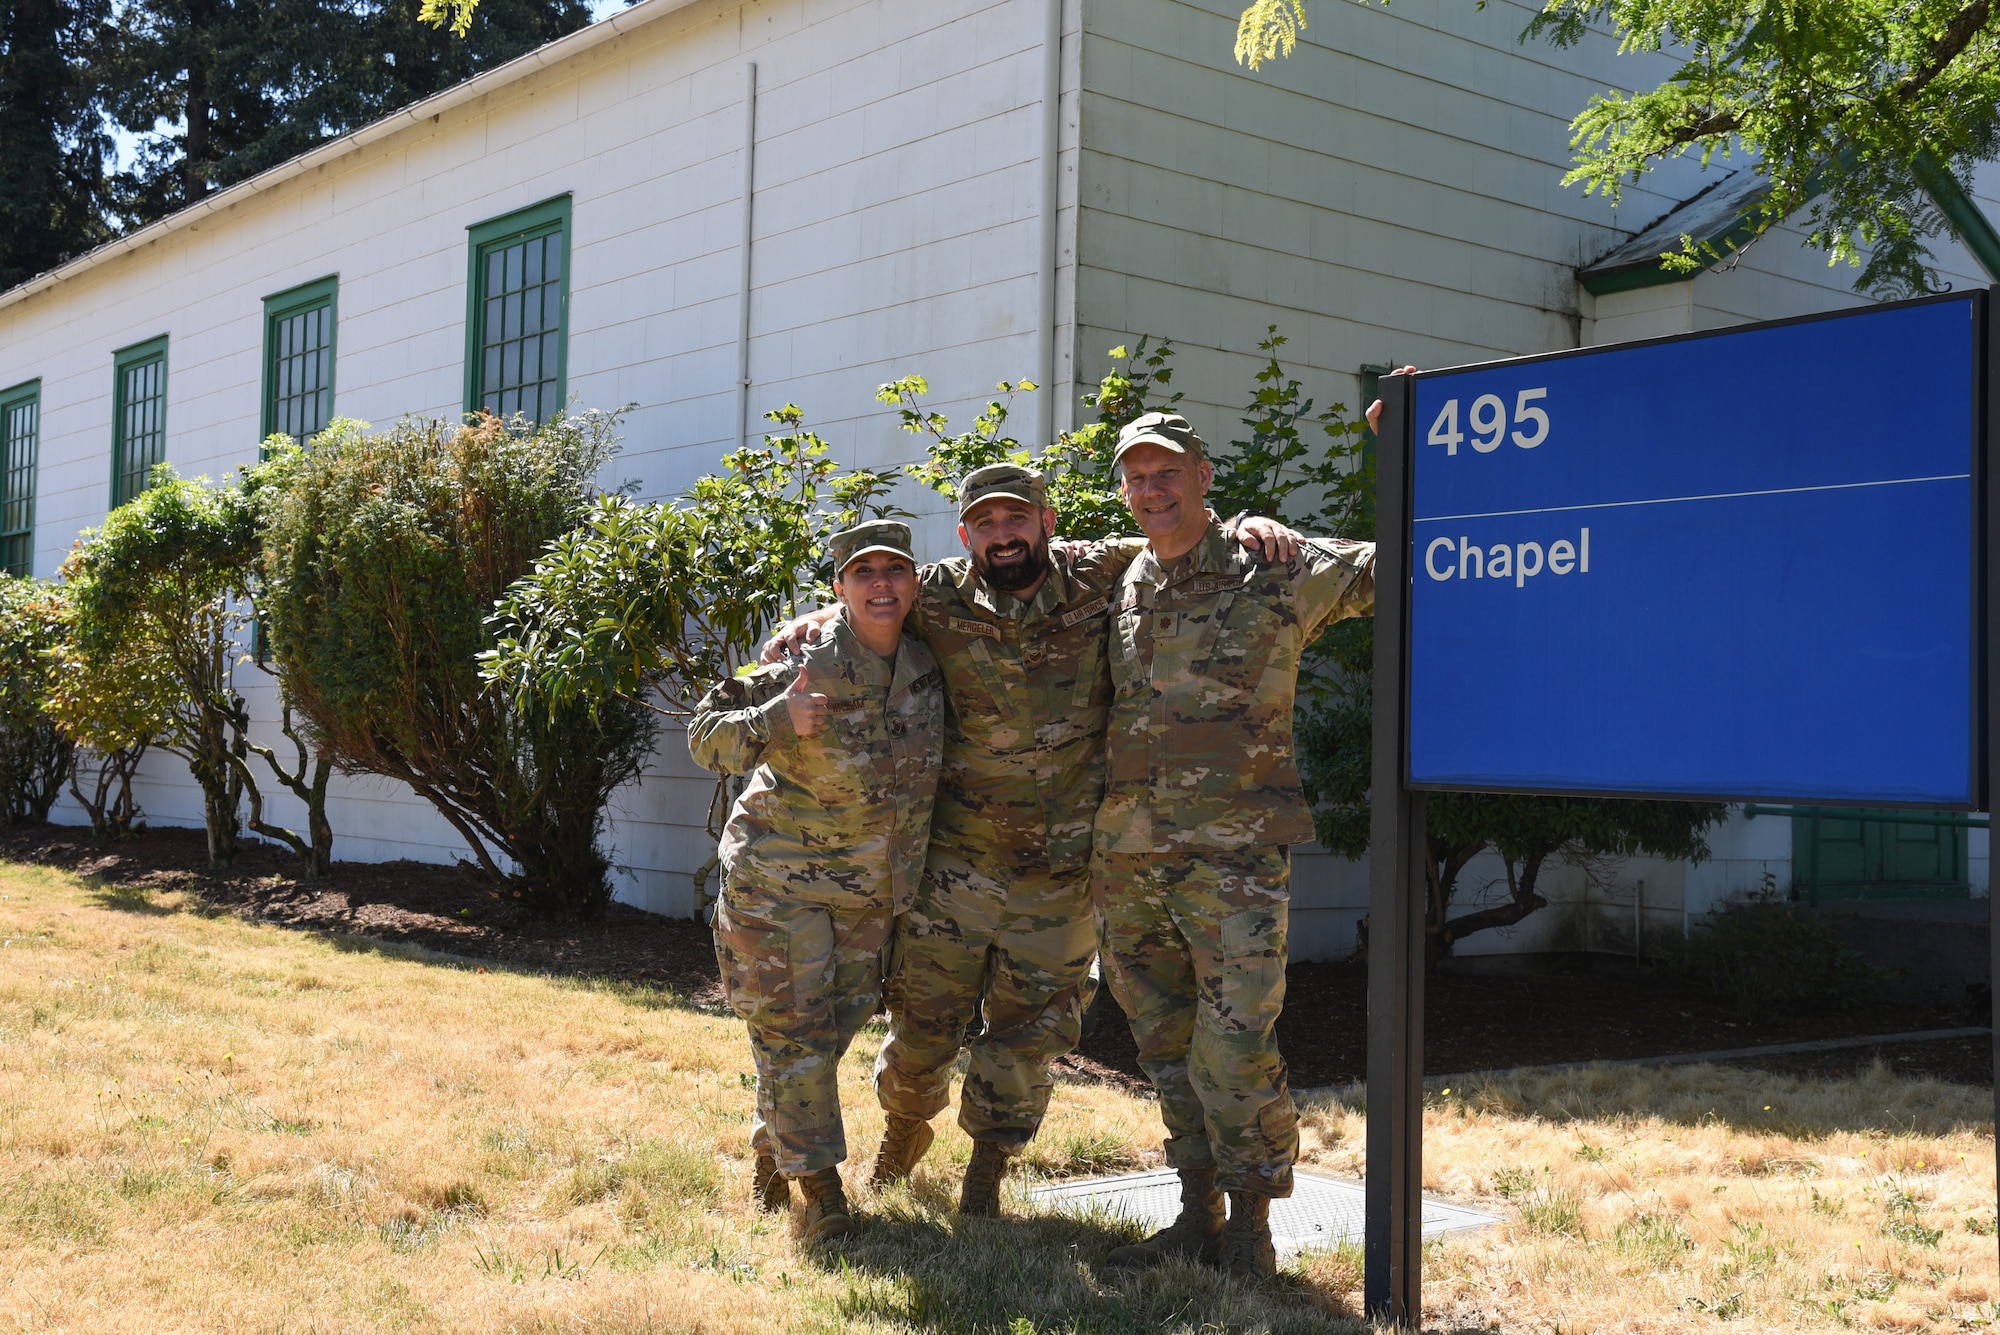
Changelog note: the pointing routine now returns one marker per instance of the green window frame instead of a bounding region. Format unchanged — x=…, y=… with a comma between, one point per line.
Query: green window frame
x=138, y=416
x=20, y=439
x=300, y=325
x=517, y=312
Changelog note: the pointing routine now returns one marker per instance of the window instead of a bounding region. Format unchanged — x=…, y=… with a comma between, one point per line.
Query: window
x=298, y=359
x=20, y=429
x=517, y=307
x=138, y=417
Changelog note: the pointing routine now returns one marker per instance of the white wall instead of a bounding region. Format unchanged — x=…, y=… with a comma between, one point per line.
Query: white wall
x=896, y=230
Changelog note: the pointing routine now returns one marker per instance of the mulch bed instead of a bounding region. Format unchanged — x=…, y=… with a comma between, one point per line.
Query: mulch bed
x=1588, y=1009
x=417, y=903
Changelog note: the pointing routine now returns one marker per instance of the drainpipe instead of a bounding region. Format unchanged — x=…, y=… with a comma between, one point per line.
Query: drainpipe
x=743, y=250
x=1045, y=358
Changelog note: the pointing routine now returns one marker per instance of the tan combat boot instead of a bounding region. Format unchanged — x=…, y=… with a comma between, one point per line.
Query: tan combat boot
x=827, y=1215
x=768, y=1187
x=1247, y=1249
x=981, y=1193
x=1196, y=1235
x=904, y=1143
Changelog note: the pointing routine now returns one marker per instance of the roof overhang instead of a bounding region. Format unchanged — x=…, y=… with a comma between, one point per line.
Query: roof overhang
x=1724, y=217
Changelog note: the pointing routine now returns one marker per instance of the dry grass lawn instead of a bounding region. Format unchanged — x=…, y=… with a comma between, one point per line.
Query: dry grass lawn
x=212, y=1125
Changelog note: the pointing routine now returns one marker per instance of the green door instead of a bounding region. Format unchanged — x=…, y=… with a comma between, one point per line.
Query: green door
x=1845, y=853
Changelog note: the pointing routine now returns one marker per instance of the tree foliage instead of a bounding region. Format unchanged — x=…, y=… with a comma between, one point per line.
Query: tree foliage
x=158, y=614
x=52, y=139
x=219, y=90
x=383, y=557
x=653, y=604
x=1076, y=466
x=34, y=755
x=152, y=599
x=111, y=708
x=1856, y=111
x=1310, y=467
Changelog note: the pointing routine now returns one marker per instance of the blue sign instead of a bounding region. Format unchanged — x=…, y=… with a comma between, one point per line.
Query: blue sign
x=1734, y=565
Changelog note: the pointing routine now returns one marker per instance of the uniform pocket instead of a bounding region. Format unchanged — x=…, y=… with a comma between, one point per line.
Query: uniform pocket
x=1248, y=932
x=1252, y=982
x=774, y=969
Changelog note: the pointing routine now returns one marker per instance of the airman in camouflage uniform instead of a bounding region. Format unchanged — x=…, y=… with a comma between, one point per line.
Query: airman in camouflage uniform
x=824, y=847
x=1004, y=911
x=1201, y=802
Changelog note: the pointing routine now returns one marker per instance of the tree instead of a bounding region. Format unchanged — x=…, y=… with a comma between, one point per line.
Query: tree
x=34, y=755
x=383, y=557
x=52, y=143
x=1325, y=486
x=158, y=611
x=648, y=606
x=243, y=85
x=654, y=604
x=1863, y=112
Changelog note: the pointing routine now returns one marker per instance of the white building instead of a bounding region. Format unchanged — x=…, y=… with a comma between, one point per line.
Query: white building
x=829, y=193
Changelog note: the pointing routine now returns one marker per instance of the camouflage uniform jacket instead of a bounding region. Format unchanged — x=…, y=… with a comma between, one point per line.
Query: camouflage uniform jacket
x=1205, y=660
x=1028, y=689
x=841, y=817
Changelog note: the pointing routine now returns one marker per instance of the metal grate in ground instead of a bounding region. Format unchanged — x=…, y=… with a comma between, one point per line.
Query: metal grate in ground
x=1321, y=1213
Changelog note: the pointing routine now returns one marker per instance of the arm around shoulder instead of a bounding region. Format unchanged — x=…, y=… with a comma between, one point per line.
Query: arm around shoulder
x=1336, y=579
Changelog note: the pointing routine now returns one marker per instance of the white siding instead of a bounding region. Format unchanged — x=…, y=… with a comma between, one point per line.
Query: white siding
x=896, y=230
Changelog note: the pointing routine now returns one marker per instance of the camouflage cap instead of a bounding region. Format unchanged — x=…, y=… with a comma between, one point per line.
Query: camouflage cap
x=1170, y=431
x=877, y=535
x=1010, y=480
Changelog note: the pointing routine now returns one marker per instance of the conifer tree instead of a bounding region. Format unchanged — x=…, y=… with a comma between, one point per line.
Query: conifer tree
x=52, y=144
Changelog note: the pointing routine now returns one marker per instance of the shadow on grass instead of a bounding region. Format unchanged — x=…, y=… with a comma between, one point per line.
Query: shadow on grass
x=915, y=1267
x=1746, y=1100
x=641, y=996
x=127, y=898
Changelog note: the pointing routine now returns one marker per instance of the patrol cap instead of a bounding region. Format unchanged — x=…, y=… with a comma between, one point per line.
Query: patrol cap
x=1170, y=431
x=1012, y=481
x=877, y=535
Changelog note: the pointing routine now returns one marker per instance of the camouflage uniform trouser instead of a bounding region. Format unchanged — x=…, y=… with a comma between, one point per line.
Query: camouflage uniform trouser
x=1027, y=936
x=1194, y=946
x=805, y=977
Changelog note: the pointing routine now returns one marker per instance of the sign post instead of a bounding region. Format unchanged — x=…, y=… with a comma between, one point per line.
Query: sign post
x=1393, y=1251
x=1744, y=565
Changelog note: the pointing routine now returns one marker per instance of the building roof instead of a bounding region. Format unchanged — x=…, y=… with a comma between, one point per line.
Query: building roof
x=1722, y=215
x=563, y=48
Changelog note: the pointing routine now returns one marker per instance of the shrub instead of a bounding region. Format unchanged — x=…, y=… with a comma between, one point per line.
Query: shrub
x=1765, y=954
x=156, y=612
x=653, y=604
x=151, y=638
x=110, y=711
x=35, y=756
x=383, y=557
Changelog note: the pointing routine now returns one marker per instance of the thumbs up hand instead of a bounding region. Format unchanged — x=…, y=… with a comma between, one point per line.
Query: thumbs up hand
x=806, y=706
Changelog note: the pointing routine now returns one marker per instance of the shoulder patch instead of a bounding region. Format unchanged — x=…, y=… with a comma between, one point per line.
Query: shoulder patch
x=967, y=626
x=1095, y=607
